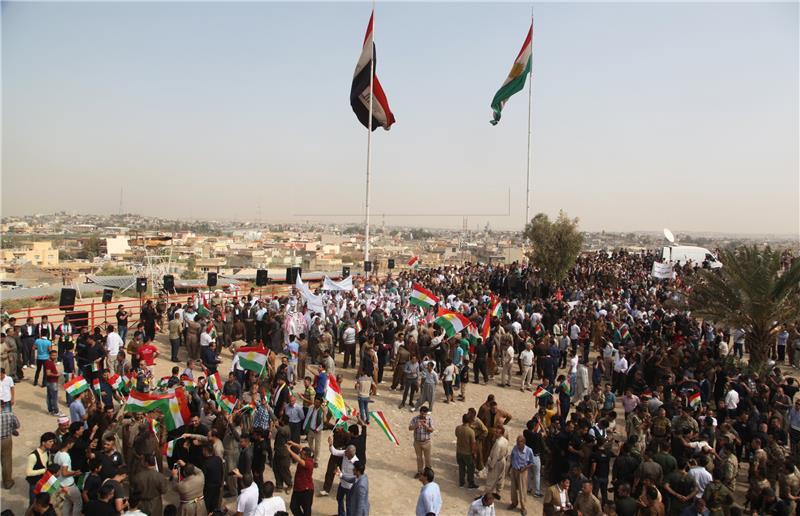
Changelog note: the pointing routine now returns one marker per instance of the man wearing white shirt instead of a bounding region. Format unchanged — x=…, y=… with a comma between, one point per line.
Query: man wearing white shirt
x=508, y=362
x=247, y=501
x=205, y=338
x=6, y=388
x=620, y=369
x=113, y=344
x=732, y=401
x=526, y=361
x=270, y=504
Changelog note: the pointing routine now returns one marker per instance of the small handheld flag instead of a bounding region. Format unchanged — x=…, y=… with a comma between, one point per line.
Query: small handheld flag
x=379, y=418
x=76, y=386
x=47, y=484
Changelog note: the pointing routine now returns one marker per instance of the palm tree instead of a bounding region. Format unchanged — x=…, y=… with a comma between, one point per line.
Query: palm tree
x=751, y=293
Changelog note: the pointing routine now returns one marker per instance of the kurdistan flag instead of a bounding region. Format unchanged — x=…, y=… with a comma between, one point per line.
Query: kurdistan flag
x=451, y=322
x=47, y=484
x=253, y=358
x=333, y=395
x=516, y=77
x=383, y=423
x=76, y=386
x=423, y=297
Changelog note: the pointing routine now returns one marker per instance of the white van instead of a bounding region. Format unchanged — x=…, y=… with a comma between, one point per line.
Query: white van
x=681, y=254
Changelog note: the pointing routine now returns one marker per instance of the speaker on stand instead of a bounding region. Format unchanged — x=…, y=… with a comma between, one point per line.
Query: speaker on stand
x=67, y=300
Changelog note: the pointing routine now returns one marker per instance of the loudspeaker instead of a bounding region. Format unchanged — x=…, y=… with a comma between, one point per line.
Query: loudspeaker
x=345, y=271
x=292, y=273
x=262, y=277
x=212, y=279
x=391, y=263
x=169, y=282
x=141, y=285
x=367, y=266
x=107, y=295
x=78, y=319
x=67, y=301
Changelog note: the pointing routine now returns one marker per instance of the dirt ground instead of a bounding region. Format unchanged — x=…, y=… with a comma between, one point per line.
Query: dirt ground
x=392, y=487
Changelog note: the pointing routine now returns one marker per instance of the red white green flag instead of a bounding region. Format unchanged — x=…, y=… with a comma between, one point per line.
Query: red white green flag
x=47, y=484
x=333, y=395
x=228, y=403
x=413, y=262
x=695, y=400
x=76, y=386
x=451, y=322
x=383, y=424
x=423, y=297
x=516, y=77
x=215, y=382
x=486, y=328
x=253, y=358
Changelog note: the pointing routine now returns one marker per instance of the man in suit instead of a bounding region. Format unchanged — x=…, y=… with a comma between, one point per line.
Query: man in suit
x=358, y=503
x=27, y=334
x=44, y=329
x=556, y=498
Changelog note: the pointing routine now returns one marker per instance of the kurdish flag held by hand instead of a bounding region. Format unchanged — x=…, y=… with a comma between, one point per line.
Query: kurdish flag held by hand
x=47, y=484
x=228, y=403
x=497, y=308
x=541, y=392
x=486, y=328
x=516, y=77
x=76, y=386
x=169, y=447
x=383, y=423
x=423, y=297
x=215, y=382
x=253, y=358
x=117, y=383
x=695, y=400
x=413, y=262
x=451, y=322
x=96, y=386
x=333, y=395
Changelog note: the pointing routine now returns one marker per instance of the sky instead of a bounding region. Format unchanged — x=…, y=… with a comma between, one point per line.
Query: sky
x=644, y=116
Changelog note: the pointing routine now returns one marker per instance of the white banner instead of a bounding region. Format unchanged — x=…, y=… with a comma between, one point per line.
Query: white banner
x=313, y=301
x=663, y=271
x=344, y=285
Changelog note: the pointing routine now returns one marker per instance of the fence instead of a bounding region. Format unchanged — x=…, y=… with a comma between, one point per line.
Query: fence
x=94, y=312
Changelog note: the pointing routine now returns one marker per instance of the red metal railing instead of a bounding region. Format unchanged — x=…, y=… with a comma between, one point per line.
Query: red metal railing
x=94, y=312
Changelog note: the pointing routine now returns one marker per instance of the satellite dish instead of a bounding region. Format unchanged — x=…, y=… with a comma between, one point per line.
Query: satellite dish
x=669, y=236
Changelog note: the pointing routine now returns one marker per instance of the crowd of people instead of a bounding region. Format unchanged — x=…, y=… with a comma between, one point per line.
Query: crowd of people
x=630, y=405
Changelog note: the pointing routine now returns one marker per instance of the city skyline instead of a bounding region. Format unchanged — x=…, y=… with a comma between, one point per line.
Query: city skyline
x=644, y=115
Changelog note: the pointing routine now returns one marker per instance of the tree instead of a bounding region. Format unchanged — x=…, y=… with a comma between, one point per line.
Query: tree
x=555, y=244
x=750, y=293
x=91, y=248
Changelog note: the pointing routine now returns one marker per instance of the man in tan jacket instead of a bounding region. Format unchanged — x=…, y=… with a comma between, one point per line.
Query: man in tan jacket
x=497, y=463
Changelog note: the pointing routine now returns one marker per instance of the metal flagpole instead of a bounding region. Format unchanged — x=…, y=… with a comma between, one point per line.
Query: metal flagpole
x=530, y=102
x=369, y=139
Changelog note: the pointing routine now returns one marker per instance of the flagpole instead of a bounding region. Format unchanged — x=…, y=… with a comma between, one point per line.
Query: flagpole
x=369, y=140
x=530, y=102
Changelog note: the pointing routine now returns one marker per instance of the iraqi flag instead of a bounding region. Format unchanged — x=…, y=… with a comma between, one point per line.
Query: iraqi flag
x=516, y=77
x=360, y=90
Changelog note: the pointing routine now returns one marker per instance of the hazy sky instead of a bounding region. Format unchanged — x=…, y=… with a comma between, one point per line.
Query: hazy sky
x=644, y=115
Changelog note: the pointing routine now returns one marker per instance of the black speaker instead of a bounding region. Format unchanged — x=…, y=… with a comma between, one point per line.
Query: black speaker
x=107, y=295
x=169, y=282
x=367, y=266
x=391, y=263
x=212, y=279
x=289, y=274
x=262, y=277
x=67, y=301
x=141, y=285
x=345, y=271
